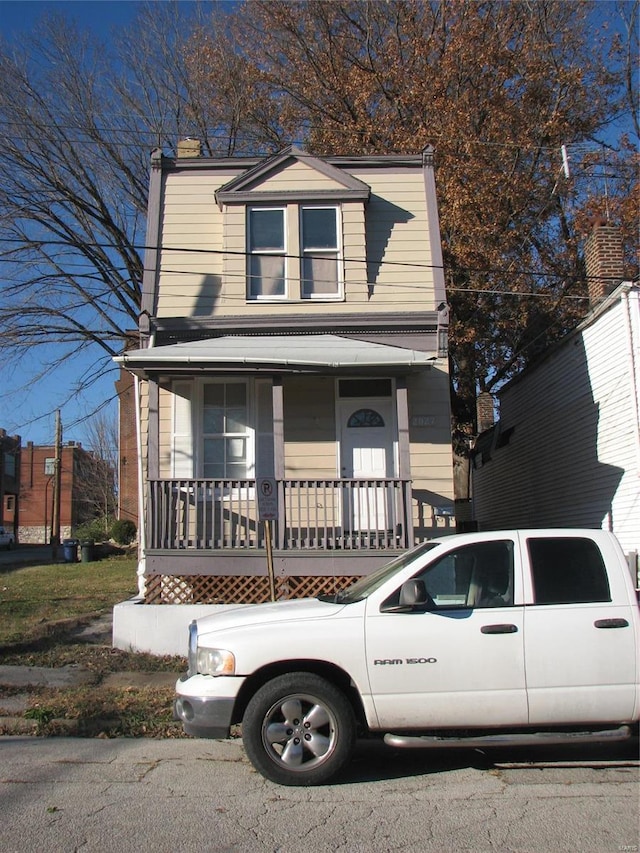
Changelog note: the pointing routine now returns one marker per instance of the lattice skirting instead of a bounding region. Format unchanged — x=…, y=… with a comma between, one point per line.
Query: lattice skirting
x=231, y=589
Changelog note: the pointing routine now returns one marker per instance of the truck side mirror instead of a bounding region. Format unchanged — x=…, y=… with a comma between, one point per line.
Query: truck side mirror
x=412, y=596
x=413, y=592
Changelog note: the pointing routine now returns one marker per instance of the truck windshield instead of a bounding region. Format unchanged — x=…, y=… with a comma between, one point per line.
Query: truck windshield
x=368, y=584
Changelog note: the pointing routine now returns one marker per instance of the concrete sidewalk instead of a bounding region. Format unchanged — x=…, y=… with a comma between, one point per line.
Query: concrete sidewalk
x=22, y=679
x=18, y=682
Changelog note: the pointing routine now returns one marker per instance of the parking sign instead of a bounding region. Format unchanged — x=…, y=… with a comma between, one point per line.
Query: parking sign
x=267, y=499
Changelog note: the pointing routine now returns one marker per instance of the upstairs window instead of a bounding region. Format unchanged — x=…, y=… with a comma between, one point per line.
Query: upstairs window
x=267, y=263
x=319, y=250
x=293, y=252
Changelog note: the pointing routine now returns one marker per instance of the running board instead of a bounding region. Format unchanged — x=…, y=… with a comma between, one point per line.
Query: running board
x=523, y=739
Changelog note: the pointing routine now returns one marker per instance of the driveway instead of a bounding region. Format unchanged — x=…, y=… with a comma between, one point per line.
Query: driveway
x=162, y=796
x=26, y=554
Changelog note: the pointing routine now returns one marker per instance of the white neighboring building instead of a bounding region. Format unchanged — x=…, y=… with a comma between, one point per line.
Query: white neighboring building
x=566, y=451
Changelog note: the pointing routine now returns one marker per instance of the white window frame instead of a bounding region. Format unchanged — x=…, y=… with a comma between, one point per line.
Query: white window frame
x=294, y=254
x=249, y=434
x=318, y=252
x=251, y=253
x=189, y=438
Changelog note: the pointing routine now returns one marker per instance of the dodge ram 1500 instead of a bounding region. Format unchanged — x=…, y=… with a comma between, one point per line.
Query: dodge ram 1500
x=508, y=637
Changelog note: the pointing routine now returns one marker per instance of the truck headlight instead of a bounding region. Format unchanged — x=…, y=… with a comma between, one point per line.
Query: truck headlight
x=215, y=662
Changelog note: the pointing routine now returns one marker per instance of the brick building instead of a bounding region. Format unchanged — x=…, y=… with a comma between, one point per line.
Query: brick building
x=9, y=480
x=77, y=501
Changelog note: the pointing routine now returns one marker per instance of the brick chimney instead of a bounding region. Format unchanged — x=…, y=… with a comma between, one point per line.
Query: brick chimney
x=484, y=411
x=189, y=147
x=604, y=259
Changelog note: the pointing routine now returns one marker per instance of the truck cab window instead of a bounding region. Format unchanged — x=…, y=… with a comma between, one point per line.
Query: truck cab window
x=567, y=571
x=472, y=576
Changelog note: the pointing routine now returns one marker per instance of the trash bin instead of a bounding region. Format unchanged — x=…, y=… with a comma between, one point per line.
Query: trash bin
x=70, y=550
x=86, y=550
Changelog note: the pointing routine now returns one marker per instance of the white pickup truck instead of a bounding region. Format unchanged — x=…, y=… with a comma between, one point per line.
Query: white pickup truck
x=479, y=639
x=7, y=539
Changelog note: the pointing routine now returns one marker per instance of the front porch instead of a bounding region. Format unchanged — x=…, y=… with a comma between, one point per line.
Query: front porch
x=205, y=542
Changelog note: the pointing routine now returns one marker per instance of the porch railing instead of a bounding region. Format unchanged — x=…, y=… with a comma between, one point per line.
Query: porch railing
x=313, y=514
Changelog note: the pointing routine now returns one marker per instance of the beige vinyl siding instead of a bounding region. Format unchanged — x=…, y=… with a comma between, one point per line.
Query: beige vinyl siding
x=294, y=176
x=194, y=282
x=310, y=428
x=234, y=287
x=144, y=423
x=430, y=448
x=190, y=277
x=353, y=252
x=398, y=234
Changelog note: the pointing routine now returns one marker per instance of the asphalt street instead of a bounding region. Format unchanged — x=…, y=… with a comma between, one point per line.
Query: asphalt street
x=163, y=796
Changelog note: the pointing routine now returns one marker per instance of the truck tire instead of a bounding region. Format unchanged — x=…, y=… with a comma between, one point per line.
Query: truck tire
x=299, y=729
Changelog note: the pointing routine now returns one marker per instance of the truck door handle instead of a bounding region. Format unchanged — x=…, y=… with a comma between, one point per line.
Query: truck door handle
x=499, y=629
x=611, y=623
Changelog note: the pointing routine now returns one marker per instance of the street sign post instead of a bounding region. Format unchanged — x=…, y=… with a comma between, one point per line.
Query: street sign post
x=268, y=512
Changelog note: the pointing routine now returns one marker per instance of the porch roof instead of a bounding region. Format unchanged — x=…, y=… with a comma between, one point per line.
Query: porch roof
x=282, y=353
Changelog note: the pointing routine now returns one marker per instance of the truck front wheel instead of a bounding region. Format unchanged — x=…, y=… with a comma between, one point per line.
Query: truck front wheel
x=299, y=729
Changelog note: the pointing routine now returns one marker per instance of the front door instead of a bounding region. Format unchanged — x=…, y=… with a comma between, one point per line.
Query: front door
x=367, y=455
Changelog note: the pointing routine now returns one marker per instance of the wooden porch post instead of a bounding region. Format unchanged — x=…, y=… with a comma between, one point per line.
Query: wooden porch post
x=404, y=454
x=278, y=453
x=153, y=438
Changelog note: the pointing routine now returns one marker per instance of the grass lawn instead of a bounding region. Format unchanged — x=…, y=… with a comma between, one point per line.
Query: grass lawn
x=34, y=596
x=40, y=608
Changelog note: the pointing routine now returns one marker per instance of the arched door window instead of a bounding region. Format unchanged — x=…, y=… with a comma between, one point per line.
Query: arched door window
x=365, y=418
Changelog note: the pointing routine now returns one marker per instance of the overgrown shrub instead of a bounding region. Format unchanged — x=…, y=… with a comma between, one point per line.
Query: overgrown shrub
x=97, y=530
x=123, y=531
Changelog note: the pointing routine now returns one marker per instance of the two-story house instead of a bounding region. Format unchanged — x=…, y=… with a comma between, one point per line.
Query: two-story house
x=566, y=450
x=9, y=481
x=294, y=329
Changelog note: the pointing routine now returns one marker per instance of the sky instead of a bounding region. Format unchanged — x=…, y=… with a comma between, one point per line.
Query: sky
x=17, y=16
x=30, y=413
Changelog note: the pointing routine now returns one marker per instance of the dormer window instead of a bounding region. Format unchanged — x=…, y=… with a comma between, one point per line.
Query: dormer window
x=267, y=259
x=293, y=252
x=320, y=251
x=288, y=215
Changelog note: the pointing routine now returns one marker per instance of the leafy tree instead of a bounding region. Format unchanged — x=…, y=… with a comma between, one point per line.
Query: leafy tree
x=78, y=120
x=498, y=88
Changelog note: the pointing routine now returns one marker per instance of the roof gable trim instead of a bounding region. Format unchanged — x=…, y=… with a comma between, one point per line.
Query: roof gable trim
x=241, y=189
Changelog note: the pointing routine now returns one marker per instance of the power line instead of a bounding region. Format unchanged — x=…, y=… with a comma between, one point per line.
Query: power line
x=245, y=254
x=87, y=136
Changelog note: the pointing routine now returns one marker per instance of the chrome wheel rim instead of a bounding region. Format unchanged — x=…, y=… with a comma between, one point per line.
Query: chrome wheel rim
x=299, y=732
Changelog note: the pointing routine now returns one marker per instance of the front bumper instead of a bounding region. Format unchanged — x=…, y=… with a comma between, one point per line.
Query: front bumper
x=204, y=704
x=210, y=717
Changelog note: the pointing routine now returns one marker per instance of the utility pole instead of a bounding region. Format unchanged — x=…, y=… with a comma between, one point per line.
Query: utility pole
x=57, y=471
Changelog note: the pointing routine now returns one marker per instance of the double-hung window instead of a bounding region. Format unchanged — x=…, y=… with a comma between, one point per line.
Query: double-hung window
x=294, y=252
x=319, y=251
x=226, y=431
x=267, y=258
